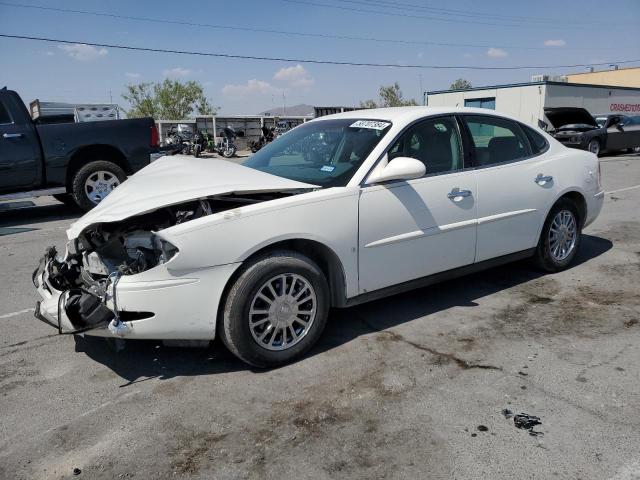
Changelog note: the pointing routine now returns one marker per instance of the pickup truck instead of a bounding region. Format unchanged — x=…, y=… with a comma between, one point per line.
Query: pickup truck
x=77, y=163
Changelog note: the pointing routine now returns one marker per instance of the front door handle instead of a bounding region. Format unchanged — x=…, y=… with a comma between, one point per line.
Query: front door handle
x=543, y=179
x=457, y=195
x=12, y=135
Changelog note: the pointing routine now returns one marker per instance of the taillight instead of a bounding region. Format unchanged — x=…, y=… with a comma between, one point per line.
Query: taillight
x=155, y=138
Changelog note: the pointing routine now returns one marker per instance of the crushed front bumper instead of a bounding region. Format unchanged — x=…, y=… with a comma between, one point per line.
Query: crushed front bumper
x=156, y=304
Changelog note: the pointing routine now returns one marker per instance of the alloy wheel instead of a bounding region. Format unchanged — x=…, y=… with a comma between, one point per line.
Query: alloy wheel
x=282, y=312
x=562, y=235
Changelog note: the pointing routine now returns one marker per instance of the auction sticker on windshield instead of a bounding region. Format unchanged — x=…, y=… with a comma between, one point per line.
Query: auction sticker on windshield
x=372, y=124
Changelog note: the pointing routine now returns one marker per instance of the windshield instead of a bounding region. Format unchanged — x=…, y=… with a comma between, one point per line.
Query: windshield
x=325, y=152
x=601, y=121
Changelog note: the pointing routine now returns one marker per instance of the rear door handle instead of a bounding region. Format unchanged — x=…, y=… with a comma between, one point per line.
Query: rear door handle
x=543, y=179
x=456, y=195
x=12, y=135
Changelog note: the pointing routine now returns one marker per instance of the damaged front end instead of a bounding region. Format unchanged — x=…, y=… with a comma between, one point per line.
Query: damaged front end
x=79, y=290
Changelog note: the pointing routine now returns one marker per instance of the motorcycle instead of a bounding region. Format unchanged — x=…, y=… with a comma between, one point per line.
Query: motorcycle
x=198, y=143
x=179, y=139
x=268, y=136
x=225, y=145
x=208, y=142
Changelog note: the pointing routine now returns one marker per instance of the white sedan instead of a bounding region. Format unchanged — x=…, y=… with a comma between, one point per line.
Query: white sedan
x=341, y=210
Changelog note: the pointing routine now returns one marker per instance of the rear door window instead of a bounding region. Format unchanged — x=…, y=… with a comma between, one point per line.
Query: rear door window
x=496, y=140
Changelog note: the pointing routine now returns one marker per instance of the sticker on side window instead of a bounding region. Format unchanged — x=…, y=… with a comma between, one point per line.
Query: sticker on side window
x=372, y=124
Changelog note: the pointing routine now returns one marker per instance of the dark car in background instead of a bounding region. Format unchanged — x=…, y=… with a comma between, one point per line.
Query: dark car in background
x=577, y=128
x=77, y=163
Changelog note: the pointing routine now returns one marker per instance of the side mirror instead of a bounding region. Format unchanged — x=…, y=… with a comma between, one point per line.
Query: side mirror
x=400, y=168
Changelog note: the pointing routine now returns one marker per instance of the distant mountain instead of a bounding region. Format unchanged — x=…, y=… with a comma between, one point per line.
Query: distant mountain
x=294, y=111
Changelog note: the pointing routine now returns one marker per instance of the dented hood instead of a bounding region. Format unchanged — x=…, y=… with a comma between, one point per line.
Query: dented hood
x=176, y=179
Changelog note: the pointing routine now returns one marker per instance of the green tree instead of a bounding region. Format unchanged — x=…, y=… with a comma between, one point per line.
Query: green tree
x=169, y=100
x=460, y=84
x=390, y=96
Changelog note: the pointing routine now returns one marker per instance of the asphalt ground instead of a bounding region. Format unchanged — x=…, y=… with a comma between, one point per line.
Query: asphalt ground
x=412, y=386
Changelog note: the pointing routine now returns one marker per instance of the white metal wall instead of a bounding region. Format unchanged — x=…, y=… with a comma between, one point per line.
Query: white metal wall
x=594, y=100
x=527, y=102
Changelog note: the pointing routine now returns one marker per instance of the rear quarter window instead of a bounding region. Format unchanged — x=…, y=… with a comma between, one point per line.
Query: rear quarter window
x=4, y=114
x=538, y=143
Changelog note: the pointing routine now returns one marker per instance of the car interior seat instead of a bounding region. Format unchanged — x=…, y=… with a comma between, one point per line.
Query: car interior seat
x=503, y=149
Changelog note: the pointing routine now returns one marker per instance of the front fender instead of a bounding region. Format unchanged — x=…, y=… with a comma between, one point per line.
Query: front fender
x=330, y=220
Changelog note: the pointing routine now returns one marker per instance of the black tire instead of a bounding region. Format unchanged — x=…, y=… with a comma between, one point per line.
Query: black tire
x=81, y=176
x=67, y=199
x=543, y=257
x=233, y=326
x=229, y=152
x=595, y=146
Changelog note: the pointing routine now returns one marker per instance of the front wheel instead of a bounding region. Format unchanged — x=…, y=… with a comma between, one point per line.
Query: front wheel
x=560, y=237
x=275, y=310
x=229, y=152
x=594, y=146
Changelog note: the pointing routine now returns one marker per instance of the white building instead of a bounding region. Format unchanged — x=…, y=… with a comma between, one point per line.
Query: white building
x=527, y=101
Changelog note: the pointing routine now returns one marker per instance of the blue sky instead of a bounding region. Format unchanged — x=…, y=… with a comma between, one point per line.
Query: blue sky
x=582, y=31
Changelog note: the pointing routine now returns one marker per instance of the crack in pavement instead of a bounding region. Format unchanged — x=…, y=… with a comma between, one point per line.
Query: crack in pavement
x=448, y=357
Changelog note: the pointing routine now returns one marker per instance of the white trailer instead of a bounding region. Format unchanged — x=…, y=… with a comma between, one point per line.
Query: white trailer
x=527, y=101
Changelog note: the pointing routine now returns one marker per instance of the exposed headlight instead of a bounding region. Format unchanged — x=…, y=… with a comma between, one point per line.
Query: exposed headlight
x=167, y=250
x=72, y=247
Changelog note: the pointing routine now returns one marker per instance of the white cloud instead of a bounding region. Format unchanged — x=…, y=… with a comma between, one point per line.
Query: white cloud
x=49, y=53
x=177, y=72
x=83, y=52
x=294, y=76
x=132, y=75
x=554, y=43
x=496, y=53
x=252, y=87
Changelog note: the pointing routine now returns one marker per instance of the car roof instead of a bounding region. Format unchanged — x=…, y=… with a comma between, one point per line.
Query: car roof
x=407, y=114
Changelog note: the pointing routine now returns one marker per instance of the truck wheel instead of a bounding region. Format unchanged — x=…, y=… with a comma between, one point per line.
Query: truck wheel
x=275, y=310
x=67, y=199
x=94, y=181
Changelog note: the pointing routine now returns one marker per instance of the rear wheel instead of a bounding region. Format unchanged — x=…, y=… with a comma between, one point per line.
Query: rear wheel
x=94, y=181
x=560, y=237
x=276, y=309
